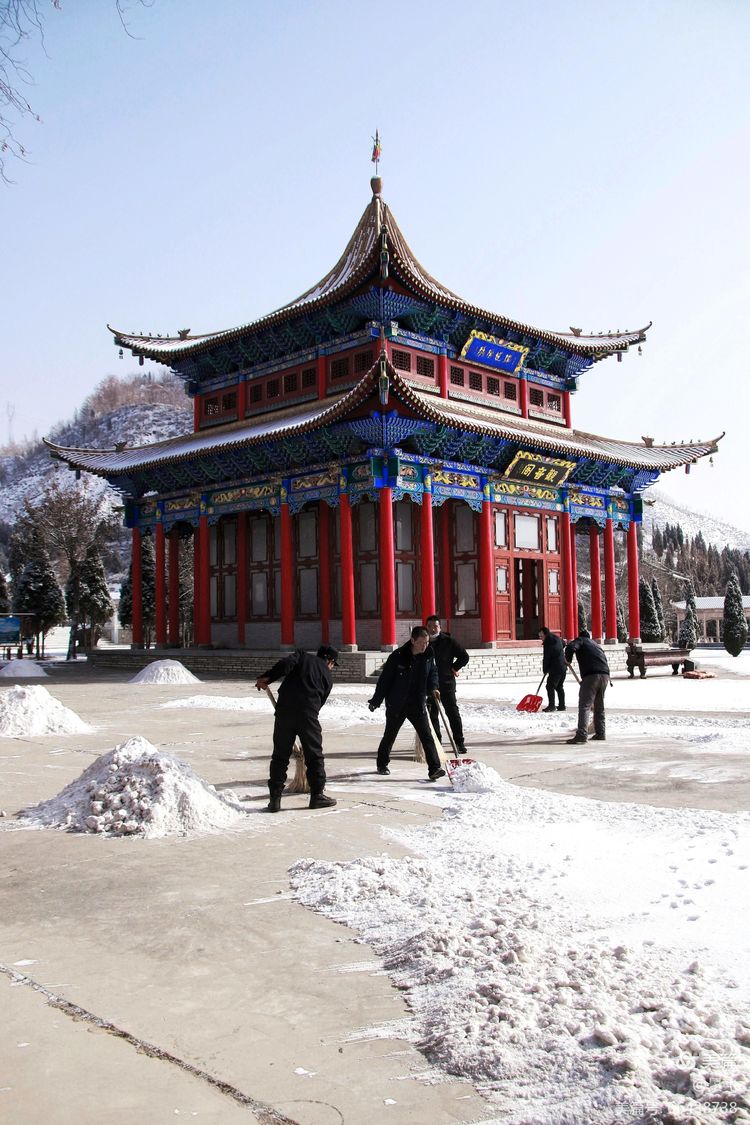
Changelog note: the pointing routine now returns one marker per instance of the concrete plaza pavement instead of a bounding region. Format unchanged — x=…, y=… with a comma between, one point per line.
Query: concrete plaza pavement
x=154, y=980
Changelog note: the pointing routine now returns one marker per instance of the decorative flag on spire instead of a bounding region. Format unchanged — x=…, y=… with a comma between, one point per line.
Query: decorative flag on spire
x=376, y=150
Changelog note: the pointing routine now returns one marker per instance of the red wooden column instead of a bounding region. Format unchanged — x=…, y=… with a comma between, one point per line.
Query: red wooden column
x=203, y=630
x=241, y=577
x=174, y=587
x=443, y=374
x=196, y=583
x=610, y=588
x=387, y=571
x=324, y=569
x=287, y=577
x=573, y=579
x=634, y=610
x=487, y=577
x=348, y=615
x=570, y=629
x=523, y=396
x=597, y=631
x=427, y=547
x=446, y=566
x=320, y=376
x=566, y=408
x=241, y=399
x=160, y=592
x=197, y=413
x=136, y=590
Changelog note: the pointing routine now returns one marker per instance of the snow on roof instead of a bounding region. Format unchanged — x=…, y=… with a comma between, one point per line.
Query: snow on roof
x=711, y=603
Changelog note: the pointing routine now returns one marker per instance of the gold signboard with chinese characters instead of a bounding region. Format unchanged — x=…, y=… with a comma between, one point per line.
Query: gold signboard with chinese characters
x=532, y=469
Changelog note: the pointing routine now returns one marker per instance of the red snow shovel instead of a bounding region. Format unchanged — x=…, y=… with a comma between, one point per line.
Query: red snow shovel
x=452, y=764
x=532, y=702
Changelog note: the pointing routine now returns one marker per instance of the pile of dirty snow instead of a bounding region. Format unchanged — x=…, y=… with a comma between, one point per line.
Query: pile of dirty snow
x=22, y=670
x=28, y=711
x=474, y=777
x=165, y=672
x=134, y=790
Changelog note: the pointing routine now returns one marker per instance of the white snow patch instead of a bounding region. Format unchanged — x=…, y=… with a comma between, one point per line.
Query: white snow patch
x=23, y=670
x=583, y=963
x=164, y=672
x=28, y=711
x=134, y=790
x=222, y=703
x=474, y=777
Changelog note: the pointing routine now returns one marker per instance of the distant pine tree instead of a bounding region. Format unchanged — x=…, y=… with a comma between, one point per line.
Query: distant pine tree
x=650, y=625
x=37, y=592
x=4, y=595
x=148, y=591
x=622, y=625
x=735, y=625
x=688, y=635
x=582, y=622
x=659, y=607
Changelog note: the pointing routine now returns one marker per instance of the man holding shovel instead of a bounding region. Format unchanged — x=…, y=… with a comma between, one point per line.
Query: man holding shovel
x=450, y=658
x=307, y=685
x=594, y=682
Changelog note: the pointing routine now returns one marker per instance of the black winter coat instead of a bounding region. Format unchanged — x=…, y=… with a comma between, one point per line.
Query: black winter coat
x=591, y=658
x=307, y=684
x=406, y=679
x=450, y=656
x=553, y=656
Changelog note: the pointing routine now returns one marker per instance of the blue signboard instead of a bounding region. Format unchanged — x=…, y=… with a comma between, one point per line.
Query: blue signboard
x=480, y=348
x=10, y=630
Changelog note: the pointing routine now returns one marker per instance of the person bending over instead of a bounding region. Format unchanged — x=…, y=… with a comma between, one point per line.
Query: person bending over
x=594, y=681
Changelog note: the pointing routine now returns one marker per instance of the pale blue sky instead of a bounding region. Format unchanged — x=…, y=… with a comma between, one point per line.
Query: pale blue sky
x=562, y=163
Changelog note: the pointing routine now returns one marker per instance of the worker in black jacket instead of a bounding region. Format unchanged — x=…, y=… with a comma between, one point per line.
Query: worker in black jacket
x=554, y=666
x=450, y=658
x=594, y=682
x=408, y=676
x=307, y=685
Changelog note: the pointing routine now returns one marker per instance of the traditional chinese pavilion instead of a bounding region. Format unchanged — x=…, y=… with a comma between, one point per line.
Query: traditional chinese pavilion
x=378, y=450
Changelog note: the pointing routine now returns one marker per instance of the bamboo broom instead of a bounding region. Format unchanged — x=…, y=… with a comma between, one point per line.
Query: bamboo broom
x=419, y=754
x=299, y=783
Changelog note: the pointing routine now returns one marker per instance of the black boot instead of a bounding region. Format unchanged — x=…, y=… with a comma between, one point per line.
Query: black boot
x=274, y=803
x=321, y=801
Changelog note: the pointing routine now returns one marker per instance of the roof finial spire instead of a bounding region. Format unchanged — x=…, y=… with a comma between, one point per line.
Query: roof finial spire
x=376, y=183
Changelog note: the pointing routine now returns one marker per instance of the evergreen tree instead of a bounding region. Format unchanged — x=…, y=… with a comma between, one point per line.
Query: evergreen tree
x=4, y=595
x=582, y=623
x=650, y=625
x=659, y=607
x=96, y=604
x=657, y=542
x=622, y=626
x=125, y=608
x=148, y=591
x=688, y=635
x=37, y=592
x=735, y=625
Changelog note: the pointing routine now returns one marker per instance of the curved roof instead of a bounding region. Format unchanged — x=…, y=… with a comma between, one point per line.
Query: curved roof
x=377, y=230
x=452, y=413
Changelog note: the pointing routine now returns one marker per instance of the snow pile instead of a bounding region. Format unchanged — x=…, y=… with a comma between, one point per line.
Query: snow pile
x=134, y=790
x=553, y=955
x=28, y=711
x=222, y=703
x=474, y=777
x=164, y=672
x=23, y=670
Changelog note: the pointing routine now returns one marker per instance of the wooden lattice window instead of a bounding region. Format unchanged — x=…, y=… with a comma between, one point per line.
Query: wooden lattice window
x=229, y=401
x=362, y=362
x=401, y=360
x=340, y=368
x=309, y=377
x=457, y=376
x=256, y=392
x=211, y=408
x=510, y=391
x=493, y=386
x=554, y=403
x=475, y=381
x=536, y=397
x=272, y=388
x=425, y=367
x=290, y=383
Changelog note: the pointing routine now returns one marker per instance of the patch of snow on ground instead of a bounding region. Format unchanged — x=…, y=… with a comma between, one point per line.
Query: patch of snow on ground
x=164, y=672
x=29, y=711
x=474, y=777
x=221, y=703
x=576, y=959
x=23, y=670
x=134, y=790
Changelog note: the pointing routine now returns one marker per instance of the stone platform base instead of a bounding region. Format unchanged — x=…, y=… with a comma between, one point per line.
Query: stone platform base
x=354, y=667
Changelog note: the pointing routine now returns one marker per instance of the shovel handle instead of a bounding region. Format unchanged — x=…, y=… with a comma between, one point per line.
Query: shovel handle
x=544, y=677
x=446, y=724
x=576, y=677
x=272, y=697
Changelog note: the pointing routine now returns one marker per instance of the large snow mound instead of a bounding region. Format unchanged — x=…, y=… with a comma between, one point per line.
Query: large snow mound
x=32, y=710
x=474, y=777
x=134, y=790
x=164, y=672
x=23, y=670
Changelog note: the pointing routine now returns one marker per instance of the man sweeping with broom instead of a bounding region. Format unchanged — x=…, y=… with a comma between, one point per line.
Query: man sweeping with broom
x=307, y=685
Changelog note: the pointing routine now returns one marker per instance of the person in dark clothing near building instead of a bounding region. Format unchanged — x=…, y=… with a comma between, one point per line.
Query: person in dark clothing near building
x=594, y=681
x=408, y=676
x=450, y=658
x=553, y=664
x=307, y=685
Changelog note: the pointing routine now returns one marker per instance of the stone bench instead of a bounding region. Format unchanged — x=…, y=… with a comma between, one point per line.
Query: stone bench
x=658, y=658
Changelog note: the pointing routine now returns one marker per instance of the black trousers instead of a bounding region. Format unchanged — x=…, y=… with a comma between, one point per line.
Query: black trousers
x=556, y=683
x=448, y=700
x=306, y=727
x=416, y=713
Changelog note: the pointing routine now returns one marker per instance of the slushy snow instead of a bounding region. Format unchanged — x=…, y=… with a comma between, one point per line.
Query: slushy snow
x=164, y=672
x=23, y=670
x=134, y=790
x=29, y=711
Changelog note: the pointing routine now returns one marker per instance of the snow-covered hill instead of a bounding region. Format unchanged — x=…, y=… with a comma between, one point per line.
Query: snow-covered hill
x=659, y=509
